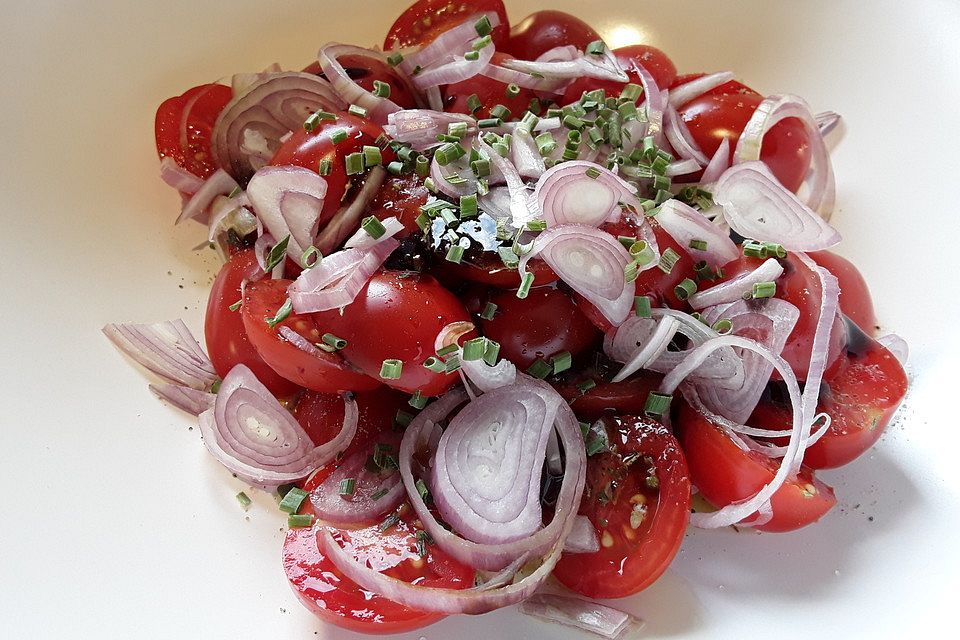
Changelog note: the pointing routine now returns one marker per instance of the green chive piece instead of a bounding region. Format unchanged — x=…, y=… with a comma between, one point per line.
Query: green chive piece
x=334, y=341
x=512, y=90
x=448, y=216
x=596, y=444
x=395, y=168
x=474, y=349
x=491, y=353
x=631, y=92
x=501, y=112
x=301, y=521
x=468, y=206
x=540, y=368
x=571, y=122
x=649, y=148
x=508, y=257
x=545, y=143
x=685, y=289
x=373, y=227
x=354, y=163
x=395, y=59
x=631, y=270
x=627, y=241
x=391, y=369
x=379, y=494
x=457, y=129
x=642, y=252
x=422, y=166
x=454, y=254
x=597, y=47
x=338, y=136
x=668, y=259
x=244, y=500
x=292, y=501
x=657, y=404
x=418, y=400
x=423, y=221
x=372, y=156
x=774, y=250
x=326, y=166
x=537, y=225
x=722, y=326
x=525, y=283
x=489, y=311
x=448, y=153
x=402, y=419
x=282, y=314
x=277, y=254
x=381, y=89
x=586, y=385
x=662, y=196
x=561, y=361
x=628, y=111
x=480, y=43
x=699, y=245
x=641, y=306
x=764, y=290
x=489, y=123
x=428, y=183
x=471, y=55
x=236, y=305
x=434, y=364
x=357, y=110
x=593, y=173
x=447, y=350
x=347, y=486
x=451, y=364
x=483, y=26
x=473, y=103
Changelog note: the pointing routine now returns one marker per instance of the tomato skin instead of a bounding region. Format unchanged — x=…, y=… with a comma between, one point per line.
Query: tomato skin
x=712, y=118
x=323, y=371
x=401, y=196
x=489, y=269
x=365, y=71
x=543, y=30
x=543, y=324
x=424, y=20
x=490, y=92
x=226, y=338
x=855, y=300
x=622, y=398
x=631, y=558
x=732, y=86
x=308, y=148
x=204, y=104
x=321, y=416
x=397, y=315
x=652, y=59
x=725, y=474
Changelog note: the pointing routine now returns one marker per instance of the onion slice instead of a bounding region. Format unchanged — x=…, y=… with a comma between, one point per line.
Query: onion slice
x=349, y=91
x=255, y=437
x=193, y=401
x=363, y=240
x=584, y=615
x=897, y=346
x=655, y=343
x=168, y=349
x=578, y=192
x=374, y=493
x=735, y=289
x=178, y=177
x=680, y=138
x=347, y=218
x=420, y=127
x=289, y=201
x=220, y=183
x=585, y=65
x=684, y=223
x=719, y=163
x=583, y=537
x=339, y=277
x=686, y=92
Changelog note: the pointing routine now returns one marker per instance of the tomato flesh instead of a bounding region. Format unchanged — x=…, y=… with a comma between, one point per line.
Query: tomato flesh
x=652, y=59
x=489, y=92
x=424, y=20
x=605, y=398
x=544, y=30
x=401, y=196
x=487, y=268
x=184, y=127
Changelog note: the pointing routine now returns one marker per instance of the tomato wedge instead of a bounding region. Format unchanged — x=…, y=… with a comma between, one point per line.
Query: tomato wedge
x=184, y=127
x=424, y=20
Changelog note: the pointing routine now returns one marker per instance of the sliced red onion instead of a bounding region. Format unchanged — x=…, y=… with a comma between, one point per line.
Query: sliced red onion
x=449, y=43
x=827, y=121
x=261, y=250
x=719, y=163
x=757, y=206
x=585, y=65
x=592, y=263
x=300, y=342
x=496, y=203
x=347, y=218
x=722, y=368
x=168, y=349
x=526, y=156
x=681, y=140
x=686, y=92
x=374, y=493
x=682, y=168
x=458, y=70
x=733, y=290
x=654, y=103
x=193, y=401
x=336, y=281
x=273, y=106
x=242, y=82
x=486, y=473
x=520, y=209
x=363, y=240
x=583, y=615
x=440, y=174
x=486, y=377
x=289, y=201
x=819, y=189
x=178, y=177
x=583, y=537
x=226, y=215
x=653, y=346
x=525, y=80
x=220, y=183
x=420, y=127
x=255, y=437
x=897, y=346
x=567, y=194
x=684, y=223
x=349, y=91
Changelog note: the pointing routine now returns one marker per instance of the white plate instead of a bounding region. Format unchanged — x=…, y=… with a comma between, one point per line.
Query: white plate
x=117, y=524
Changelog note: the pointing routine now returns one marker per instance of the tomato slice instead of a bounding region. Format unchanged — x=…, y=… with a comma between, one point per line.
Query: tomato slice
x=184, y=127
x=487, y=268
x=638, y=498
x=543, y=30
x=855, y=300
x=605, y=398
x=401, y=196
x=424, y=20
x=724, y=473
x=319, y=371
x=226, y=338
x=489, y=92
x=654, y=60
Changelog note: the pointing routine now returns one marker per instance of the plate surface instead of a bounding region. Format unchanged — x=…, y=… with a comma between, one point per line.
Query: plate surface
x=116, y=522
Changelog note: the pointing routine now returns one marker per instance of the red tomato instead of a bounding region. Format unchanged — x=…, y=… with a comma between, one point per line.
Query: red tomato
x=307, y=149
x=543, y=324
x=724, y=473
x=786, y=147
x=654, y=60
x=855, y=300
x=319, y=371
x=401, y=196
x=184, y=127
x=543, y=30
x=340, y=601
x=227, y=341
x=861, y=398
x=638, y=498
x=365, y=71
x=733, y=86
x=424, y=20
x=397, y=315
x=489, y=269
x=490, y=92
x=624, y=398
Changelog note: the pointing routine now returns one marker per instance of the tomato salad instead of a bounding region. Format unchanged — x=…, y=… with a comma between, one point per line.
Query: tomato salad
x=496, y=301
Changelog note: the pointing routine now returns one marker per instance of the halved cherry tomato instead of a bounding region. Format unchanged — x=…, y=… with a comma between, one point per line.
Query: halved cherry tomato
x=396, y=316
x=227, y=341
x=487, y=268
x=424, y=20
x=654, y=60
x=724, y=473
x=308, y=148
x=541, y=325
x=733, y=86
x=184, y=127
x=543, y=30
x=860, y=399
x=319, y=371
x=489, y=92
x=365, y=71
x=605, y=398
x=401, y=196
x=855, y=300
x=638, y=498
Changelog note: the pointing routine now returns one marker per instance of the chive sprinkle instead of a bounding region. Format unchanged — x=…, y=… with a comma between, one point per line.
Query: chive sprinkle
x=357, y=110
x=244, y=500
x=473, y=103
x=685, y=289
x=699, y=245
x=668, y=259
x=657, y=404
x=326, y=166
x=641, y=306
x=295, y=521
x=586, y=385
x=373, y=227
x=471, y=55
x=379, y=494
x=525, y=283
x=540, y=368
x=512, y=90
x=388, y=522
x=489, y=311
x=561, y=362
x=764, y=290
x=236, y=305
x=381, y=89
x=418, y=400
x=334, y=341
x=474, y=349
x=447, y=350
x=491, y=352
x=597, y=47
x=480, y=43
x=372, y=156
x=483, y=26
x=501, y=112
x=292, y=501
x=391, y=369
x=282, y=314
x=722, y=326
x=277, y=254
x=354, y=163
x=347, y=486
x=395, y=59
x=338, y=136
x=454, y=254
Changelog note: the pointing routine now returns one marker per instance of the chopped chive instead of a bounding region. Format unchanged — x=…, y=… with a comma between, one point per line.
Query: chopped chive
x=379, y=494
x=338, y=136
x=457, y=129
x=406, y=153
x=282, y=314
x=347, y=486
x=391, y=369
x=354, y=163
x=596, y=444
x=447, y=350
x=540, y=368
x=572, y=122
x=277, y=254
x=422, y=166
x=649, y=148
x=395, y=168
x=512, y=90
x=451, y=364
x=471, y=55
x=561, y=361
x=372, y=156
x=236, y=191
x=528, y=122
x=763, y=290
x=489, y=123
x=388, y=522
x=468, y=206
x=501, y=112
x=483, y=26
x=416, y=70
x=434, y=364
x=454, y=254
x=395, y=59
x=418, y=400
x=662, y=196
x=699, y=245
x=525, y=283
x=661, y=183
x=685, y=289
x=668, y=259
x=423, y=221
x=627, y=111
x=508, y=257
x=593, y=173
x=334, y=341
x=597, y=47
x=641, y=252
x=357, y=110
x=481, y=42
x=292, y=501
x=774, y=250
x=488, y=311
x=722, y=326
x=491, y=352
x=657, y=404
x=326, y=166
x=631, y=92
x=537, y=225
x=373, y=227
x=630, y=271
x=300, y=521
x=502, y=149
x=381, y=89
x=428, y=183
x=545, y=143
x=236, y=305
x=448, y=153
x=244, y=500
x=474, y=349
x=586, y=385
x=627, y=241
x=641, y=306
x=473, y=103
x=534, y=106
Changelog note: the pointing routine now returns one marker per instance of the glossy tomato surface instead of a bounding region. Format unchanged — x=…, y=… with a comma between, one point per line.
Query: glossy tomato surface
x=489, y=93
x=487, y=268
x=424, y=20
x=855, y=300
x=652, y=59
x=544, y=30
x=321, y=416
x=184, y=127
x=401, y=196
x=638, y=499
x=366, y=71
x=607, y=398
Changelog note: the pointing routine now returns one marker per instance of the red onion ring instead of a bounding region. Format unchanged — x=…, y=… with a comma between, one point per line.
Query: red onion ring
x=566, y=194
x=584, y=615
x=650, y=347
x=347, y=218
x=684, y=223
x=289, y=201
x=687, y=91
x=583, y=537
x=681, y=140
x=255, y=437
x=654, y=103
x=757, y=206
x=349, y=91
x=526, y=156
x=520, y=209
x=733, y=290
x=178, y=177
x=186, y=399
x=168, y=349
x=220, y=183
x=242, y=82
x=360, y=507
x=339, y=277
x=448, y=43
x=827, y=121
x=363, y=240
x=420, y=127
x=458, y=70
x=719, y=163
x=897, y=346
x=583, y=66
x=227, y=214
